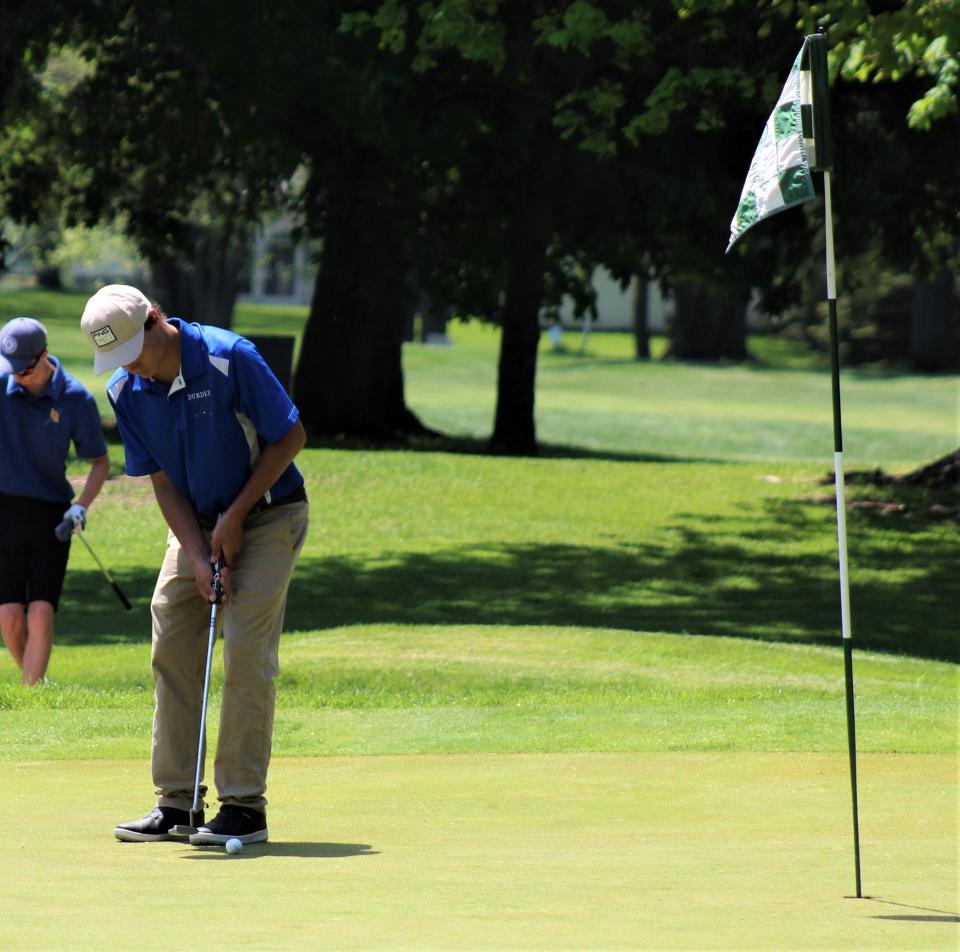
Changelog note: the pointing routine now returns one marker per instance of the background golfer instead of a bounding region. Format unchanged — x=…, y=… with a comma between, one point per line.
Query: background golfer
x=42, y=408
x=202, y=414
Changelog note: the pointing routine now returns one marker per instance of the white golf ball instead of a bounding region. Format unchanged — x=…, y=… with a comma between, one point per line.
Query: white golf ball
x=234, y=846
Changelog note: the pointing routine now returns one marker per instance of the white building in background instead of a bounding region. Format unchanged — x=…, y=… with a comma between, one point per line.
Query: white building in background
x=281, y=272
x=615, y=306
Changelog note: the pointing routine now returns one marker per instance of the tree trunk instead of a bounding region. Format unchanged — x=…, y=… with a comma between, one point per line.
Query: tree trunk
x=203, y=289
x=434, y=320
x=14, y=39
x=641, y=332
x=48, y=273
x=707, y=326
x=434, y=316
x=48, y=278
x=514, y=430
x=349, y=380
x=934, y=325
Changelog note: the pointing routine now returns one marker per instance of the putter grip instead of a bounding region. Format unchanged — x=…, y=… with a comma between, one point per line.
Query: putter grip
x=217, y=587
x=64, y=530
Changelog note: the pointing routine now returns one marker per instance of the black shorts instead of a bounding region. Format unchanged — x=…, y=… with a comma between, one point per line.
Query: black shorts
x=33, y=561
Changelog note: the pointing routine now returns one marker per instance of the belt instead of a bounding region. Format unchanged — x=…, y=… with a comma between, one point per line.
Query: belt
x=298, y=495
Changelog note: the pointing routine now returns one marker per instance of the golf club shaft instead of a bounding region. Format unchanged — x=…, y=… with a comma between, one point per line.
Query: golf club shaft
x=106, y=574
x=211, y=640
x=203, y=712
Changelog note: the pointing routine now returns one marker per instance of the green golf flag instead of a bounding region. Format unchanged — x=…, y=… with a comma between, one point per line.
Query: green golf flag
x=779, y=175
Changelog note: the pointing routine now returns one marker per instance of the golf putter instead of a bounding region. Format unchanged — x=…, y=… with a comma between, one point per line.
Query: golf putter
x=182, y=829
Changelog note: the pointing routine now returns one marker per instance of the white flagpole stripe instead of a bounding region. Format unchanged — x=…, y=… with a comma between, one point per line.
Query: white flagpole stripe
x=831, y=267
x=806, y=112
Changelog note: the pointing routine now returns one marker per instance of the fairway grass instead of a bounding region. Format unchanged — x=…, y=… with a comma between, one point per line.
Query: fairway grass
x=606, y=402
x=602, y=401
x=590, y=700
x=381, y=689
x=563, y=851
x=430, y=538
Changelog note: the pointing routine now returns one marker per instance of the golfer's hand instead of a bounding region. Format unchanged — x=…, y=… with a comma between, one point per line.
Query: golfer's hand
x=77, y=514
x=203, y=573
x=227, y=539
x=219, y=581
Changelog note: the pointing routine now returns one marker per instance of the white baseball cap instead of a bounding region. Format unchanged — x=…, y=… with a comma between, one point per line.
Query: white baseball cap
x=113, y=321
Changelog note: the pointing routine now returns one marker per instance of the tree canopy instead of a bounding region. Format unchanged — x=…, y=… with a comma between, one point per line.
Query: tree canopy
x=486, y=154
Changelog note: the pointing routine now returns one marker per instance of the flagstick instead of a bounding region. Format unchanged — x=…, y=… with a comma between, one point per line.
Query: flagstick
x=808, y=95
x=842, y=523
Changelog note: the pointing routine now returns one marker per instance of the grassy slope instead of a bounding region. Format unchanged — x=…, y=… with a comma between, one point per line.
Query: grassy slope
x=429, y=616
x=642, y=620
x=413, y=690
x=538, y=584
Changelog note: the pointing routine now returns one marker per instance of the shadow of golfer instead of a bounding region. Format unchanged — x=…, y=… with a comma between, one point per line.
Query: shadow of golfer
x=300, y=850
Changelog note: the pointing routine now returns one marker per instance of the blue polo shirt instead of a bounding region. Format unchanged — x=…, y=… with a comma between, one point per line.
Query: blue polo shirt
x=35, y=435
x=205, y=430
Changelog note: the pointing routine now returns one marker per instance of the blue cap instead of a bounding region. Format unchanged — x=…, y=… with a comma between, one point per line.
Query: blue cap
x=22, y=341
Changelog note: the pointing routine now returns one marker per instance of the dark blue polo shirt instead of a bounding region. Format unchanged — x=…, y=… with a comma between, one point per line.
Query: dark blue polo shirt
x=35, y=435
x=207, y=429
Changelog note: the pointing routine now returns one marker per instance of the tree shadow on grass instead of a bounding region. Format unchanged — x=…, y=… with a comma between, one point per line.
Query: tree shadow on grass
x=738, y=576
x=752, y=585
x=90, y=613
x=474, y=446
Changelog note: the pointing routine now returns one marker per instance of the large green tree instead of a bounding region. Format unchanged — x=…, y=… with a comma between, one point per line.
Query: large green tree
x=597, y=125
x=126, y=135
x=487, y=153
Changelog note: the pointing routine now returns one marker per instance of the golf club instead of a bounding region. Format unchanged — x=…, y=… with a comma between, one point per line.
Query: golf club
x=63, y=531
x=182, y=829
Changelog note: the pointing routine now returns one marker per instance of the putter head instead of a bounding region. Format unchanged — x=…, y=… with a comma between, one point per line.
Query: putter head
x=182, y=829
x=186, y=829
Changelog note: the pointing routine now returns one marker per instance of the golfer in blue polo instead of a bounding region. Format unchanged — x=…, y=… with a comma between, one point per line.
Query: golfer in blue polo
x=42, y=410
x=203, y=416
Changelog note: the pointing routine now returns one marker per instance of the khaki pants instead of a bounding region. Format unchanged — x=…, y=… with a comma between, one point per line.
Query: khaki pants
x=250, y=622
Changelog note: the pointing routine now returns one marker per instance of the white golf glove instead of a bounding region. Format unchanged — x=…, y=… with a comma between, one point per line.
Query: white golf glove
x=77, y=515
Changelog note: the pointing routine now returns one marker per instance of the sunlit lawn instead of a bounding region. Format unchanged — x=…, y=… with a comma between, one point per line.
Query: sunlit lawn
x=603, y=401
x=592, y=699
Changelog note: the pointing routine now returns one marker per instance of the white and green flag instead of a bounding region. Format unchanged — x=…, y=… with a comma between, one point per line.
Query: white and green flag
x=779, y=175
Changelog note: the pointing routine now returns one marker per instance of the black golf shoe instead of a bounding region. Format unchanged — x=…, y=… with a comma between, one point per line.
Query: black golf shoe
x=233, y=822
x=154, y=826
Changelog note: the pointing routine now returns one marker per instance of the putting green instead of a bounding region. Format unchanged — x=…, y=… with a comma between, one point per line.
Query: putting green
x=560, y=851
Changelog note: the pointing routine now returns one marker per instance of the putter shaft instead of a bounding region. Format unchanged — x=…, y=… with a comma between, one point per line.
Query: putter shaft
x=182, y=829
